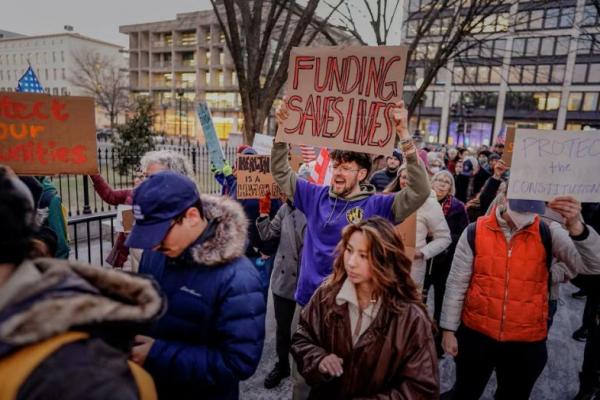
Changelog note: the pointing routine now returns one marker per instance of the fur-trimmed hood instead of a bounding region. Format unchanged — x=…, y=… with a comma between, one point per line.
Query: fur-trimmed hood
x=46, y=297
x=228, y=240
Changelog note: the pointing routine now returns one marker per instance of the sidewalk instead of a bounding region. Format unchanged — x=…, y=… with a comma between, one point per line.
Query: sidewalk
x=559, y=381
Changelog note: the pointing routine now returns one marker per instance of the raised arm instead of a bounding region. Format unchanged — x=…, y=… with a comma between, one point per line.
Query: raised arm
x=282, y=172
x=107, y=193
x=408, y=200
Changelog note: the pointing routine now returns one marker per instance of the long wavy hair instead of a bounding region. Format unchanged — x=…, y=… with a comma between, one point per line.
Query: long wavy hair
x=390, y=267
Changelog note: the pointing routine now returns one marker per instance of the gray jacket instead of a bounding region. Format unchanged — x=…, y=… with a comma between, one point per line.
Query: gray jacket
x=578, y=257
x=288, y=224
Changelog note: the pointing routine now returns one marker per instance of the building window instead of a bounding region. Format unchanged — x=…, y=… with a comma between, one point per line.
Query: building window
x=553, y=102
x=533, y=45
x=536, y=19
x=562, y=45
x=590, y=16
x=547, y=48
x=543, y=74
x=590, y=102
x=519, y=47
x=567, y=17
x=594, y=73
x=574, y=103
x=514, y=74
x=64, y=74
x=528, y=74
x=495, y=76
x=458, y=75
x=558, y=73
x=551, y=20
x=580, y=73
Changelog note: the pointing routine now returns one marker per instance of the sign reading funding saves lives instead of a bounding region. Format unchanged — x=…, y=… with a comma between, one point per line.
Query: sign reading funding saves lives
x=343, y=97
x=546, y=164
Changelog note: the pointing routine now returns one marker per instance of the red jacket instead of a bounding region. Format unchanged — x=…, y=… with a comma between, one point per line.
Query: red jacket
x=507, y=299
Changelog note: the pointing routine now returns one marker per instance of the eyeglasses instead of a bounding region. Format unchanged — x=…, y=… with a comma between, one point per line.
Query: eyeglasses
x=344, y=169
x=177, y=220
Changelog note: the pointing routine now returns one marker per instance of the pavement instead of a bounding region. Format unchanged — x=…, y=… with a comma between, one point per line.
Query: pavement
x=559, y=380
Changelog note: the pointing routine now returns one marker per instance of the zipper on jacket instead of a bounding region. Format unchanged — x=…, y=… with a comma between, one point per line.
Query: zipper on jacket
x=506, y=278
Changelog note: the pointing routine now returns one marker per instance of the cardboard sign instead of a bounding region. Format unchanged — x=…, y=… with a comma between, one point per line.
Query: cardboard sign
x=343, y=97
x=46, y=135
x=262, y=144
x=408, y=232
x=295, y=161
x=215, y=152
x=508, y=146
x=128, y=220
x=254, y=177
x=546, y=164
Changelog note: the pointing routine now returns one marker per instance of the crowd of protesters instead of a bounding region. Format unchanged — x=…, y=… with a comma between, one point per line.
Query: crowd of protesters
x=358, y=314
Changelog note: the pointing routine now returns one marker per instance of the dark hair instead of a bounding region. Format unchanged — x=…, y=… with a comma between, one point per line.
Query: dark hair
x=16, y=214
x=390, y=267
x=363, y=160
x=47, y=236
x=484, y=152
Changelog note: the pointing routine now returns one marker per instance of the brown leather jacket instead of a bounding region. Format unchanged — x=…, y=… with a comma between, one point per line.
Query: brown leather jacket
x=394, y=359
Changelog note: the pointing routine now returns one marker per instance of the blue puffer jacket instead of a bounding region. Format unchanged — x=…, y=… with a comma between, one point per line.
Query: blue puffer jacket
x=212, y=334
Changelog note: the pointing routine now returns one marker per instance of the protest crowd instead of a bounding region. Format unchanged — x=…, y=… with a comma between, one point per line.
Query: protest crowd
x=373, y=276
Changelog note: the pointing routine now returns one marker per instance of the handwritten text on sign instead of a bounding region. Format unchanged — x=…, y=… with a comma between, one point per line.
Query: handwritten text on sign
x=343, y=98
x=44, y=135
x=546, y=164
x=254, y=177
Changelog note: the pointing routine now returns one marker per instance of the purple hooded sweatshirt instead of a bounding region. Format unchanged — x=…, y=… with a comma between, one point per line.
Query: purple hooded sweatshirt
x=326, y=216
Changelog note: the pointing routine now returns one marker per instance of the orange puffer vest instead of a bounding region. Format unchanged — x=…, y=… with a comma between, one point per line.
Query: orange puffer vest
x=507, y=298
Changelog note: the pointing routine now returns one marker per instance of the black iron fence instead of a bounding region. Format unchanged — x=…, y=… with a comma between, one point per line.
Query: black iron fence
x=78, y=194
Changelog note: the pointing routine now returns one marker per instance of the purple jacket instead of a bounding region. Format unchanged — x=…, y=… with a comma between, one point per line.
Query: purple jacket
x=326, y=218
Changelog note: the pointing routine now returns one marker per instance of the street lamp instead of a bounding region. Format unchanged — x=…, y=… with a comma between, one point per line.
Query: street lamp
x=180, y=98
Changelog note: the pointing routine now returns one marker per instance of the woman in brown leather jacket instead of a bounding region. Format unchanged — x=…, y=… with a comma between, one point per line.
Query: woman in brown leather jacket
x=365, y=333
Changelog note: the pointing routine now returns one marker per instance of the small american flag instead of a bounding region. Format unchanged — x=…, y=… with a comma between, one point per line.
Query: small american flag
x=29, y=83
x=501, y=135
x=321, y=173
x=308, y=153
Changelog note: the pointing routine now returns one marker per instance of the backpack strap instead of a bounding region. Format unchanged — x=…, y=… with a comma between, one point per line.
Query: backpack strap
x=16, y=367
x=471, y=231
x=144, y=382
x=546, y=236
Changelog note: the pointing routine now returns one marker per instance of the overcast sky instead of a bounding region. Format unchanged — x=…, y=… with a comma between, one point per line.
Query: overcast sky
x=101, y=19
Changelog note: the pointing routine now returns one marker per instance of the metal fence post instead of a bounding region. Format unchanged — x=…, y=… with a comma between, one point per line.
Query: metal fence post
x=86, y=196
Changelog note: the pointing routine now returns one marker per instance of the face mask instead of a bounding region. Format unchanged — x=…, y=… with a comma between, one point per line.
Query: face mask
x=483, y=162
x=520, y=219
x=434, y=170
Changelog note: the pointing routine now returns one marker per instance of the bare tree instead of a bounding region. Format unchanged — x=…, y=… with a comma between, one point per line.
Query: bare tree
x=457, y=25
x=101, y=77
x=260, y=35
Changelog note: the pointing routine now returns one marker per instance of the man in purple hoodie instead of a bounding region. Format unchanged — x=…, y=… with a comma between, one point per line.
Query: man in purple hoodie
x=347, y=199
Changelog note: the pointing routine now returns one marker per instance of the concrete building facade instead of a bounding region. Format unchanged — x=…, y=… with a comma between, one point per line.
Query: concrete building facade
x=538, y=67
x=52, y=58
x=179, y=62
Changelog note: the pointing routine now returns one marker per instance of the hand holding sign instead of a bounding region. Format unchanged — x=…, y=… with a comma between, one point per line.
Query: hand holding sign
x=282, y=113
x=570, y=209
x=401, y=121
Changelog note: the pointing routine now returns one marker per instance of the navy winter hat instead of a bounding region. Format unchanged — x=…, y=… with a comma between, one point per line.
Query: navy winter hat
x=156, y=202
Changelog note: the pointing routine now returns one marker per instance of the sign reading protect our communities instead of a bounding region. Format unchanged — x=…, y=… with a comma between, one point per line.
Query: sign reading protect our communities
x=343, y=97
x=46, y=135
x=546, y=164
